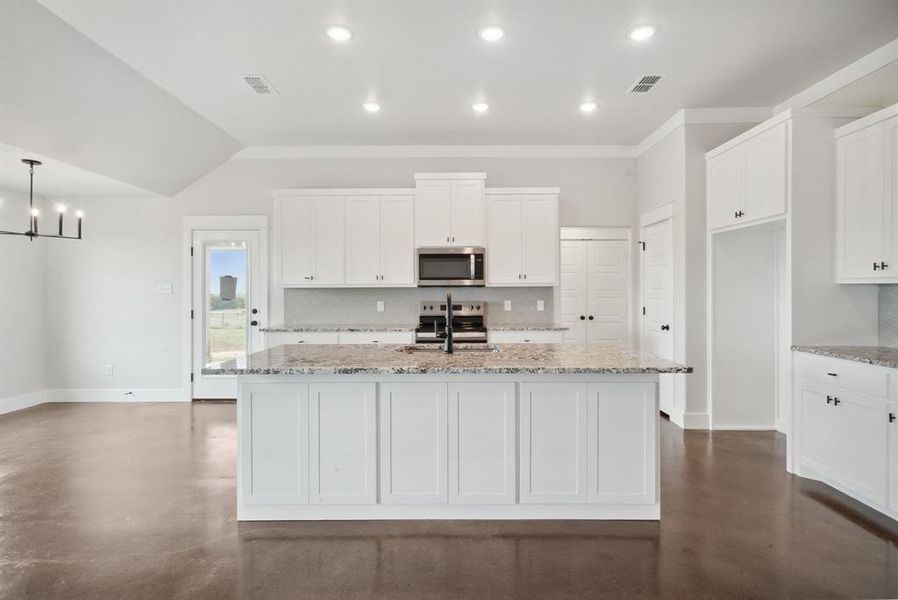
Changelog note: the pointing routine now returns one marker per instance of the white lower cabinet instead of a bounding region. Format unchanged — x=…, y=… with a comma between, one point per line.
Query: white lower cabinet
x=622, y=443
x=554, y=443
x=413, y=443
x=342, y=443
x=525, y=337
x=844, y=437
x=377, y=337
x=482, y=443
x=282, y=338
x=274, y=455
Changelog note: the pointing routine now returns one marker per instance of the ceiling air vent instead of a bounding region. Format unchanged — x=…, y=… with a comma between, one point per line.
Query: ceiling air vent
x=259, y=84
x=645, y=84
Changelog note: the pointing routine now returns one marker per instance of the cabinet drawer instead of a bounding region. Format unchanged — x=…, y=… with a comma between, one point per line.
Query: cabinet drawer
x=526, y=337
x=377, y=337
x=845, y=374
x=281, y=338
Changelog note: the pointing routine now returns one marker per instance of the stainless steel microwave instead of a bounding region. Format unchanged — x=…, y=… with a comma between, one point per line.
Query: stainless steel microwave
x=447, y=267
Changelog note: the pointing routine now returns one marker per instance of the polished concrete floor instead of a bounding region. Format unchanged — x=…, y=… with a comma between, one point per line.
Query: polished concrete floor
x=137, y=501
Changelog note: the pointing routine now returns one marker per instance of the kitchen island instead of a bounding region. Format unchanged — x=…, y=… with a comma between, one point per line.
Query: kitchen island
x=517, y=431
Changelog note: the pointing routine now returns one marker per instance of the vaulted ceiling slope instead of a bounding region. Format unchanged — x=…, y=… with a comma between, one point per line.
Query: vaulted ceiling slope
x=62, y=95
x=424, y=63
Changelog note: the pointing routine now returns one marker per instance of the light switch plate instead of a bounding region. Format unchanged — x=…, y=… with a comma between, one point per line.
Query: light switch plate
x=164, y=288
x=380, y=306
x=540, y=305
x=508, y=305
x=109, y=370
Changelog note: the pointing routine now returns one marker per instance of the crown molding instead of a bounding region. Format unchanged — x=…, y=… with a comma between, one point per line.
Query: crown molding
x=703, y=115
x=879, y=58
x=434, y=151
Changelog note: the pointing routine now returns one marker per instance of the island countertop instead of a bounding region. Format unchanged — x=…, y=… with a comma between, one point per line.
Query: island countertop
x=344, y=359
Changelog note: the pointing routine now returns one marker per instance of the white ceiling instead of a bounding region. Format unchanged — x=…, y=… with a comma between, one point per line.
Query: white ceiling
x=57, y=180
x=423, y=61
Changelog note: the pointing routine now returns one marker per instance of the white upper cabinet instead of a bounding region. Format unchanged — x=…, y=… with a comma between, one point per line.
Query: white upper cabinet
x=450, y=209
x=747, y=182
x=344, y=238
x=867, y=199
x=380, y=240
x=522, y=238
x=310, y=240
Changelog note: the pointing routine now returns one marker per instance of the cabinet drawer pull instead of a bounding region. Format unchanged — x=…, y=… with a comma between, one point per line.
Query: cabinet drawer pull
x=892, y=417
x=836, y=401
x=829, y=399
x=832, y=374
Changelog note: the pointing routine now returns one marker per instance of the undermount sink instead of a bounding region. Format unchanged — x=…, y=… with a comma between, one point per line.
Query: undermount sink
x=436, y=348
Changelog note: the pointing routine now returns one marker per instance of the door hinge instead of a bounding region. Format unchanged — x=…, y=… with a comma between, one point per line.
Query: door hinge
x=191, y=377
x=643, y=310
x=642, y=244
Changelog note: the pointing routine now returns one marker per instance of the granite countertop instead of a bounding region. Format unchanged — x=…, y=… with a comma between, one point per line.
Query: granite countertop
x=336, y=328
x=526, y=327
x=330, y=359
x=881, y=356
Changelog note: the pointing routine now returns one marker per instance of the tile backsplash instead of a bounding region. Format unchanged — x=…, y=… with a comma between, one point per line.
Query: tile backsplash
x=359, y=306
x=888, y=315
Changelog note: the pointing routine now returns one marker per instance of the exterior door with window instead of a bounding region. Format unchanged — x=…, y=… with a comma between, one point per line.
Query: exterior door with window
x=228, y=300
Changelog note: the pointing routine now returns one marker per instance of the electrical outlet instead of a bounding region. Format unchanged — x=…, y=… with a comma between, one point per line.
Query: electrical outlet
x=540, y=305
x=380, y=306
x=164, y=288
x=109, y=370
x=508, y=305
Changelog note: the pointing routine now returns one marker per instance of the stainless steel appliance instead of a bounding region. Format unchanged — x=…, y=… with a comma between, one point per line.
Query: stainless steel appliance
x=467, y=322
x=446, y=267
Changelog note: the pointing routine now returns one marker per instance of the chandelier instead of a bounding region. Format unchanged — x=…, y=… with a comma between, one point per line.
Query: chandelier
x=35, y=213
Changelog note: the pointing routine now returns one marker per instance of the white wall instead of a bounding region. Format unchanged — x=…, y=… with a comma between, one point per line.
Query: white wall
x=23, y=293
x=103, y=304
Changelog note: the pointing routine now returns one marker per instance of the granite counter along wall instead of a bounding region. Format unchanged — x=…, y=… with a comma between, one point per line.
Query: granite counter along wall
x=888, y=315
x=359, y=305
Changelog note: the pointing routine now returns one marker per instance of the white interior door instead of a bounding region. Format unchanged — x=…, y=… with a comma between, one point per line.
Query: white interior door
x=657, y=301
x=608, y=277
x=573, y=290
x=228, y=300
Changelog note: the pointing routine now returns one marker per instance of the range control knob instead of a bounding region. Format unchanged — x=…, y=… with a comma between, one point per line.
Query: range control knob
x=471, y=307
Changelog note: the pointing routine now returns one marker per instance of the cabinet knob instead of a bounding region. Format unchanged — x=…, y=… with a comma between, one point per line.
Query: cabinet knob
x=254, y=323
x=307, y=277
x=525, y=275
x=892, y=417
x=582, y=317
x=255, y=311
x=591, y=317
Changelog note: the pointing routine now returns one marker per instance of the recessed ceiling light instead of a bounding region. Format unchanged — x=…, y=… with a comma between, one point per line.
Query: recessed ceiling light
x=641, y=34
x=492, y=33
x=338, y=33
x=480, y=107
x=371, y=107
x=588, y=107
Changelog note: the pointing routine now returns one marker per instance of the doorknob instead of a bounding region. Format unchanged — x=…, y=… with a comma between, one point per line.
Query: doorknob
x=255, y=311
x=665, y=328
x=254, y=323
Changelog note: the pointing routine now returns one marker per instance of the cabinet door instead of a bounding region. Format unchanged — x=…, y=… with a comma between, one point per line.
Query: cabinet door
x=540, y=239
x=397, y=241
x=482, y=443
x=726, y=187
x=863, y=214
x=893, y=457
x=432, y=213
x=274, y=457
x=504, y=244
x=623, y=432
x=363, y=240
x=296, y=235
x=282, y=338
x=342, y=441
x=819, y=431
x=553, y=443
x=863, y=445
x=330, y=241
x=573, y=290
x=468, y=213
x=765, y=174
x=413, y=443
x=890, y=132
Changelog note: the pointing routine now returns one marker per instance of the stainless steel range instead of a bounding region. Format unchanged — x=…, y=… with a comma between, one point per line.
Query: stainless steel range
x=467, y=322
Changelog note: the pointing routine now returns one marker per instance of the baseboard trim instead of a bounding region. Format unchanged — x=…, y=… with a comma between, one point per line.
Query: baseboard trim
x=692, y=420
x=744, y=428
x=22, y=401
x=119, y=395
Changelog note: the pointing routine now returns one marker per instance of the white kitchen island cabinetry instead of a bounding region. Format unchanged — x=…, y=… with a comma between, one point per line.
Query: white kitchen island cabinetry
x=531, y=432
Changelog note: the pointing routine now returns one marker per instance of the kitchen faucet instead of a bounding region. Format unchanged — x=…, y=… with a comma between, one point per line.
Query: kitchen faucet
x=447, y=344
